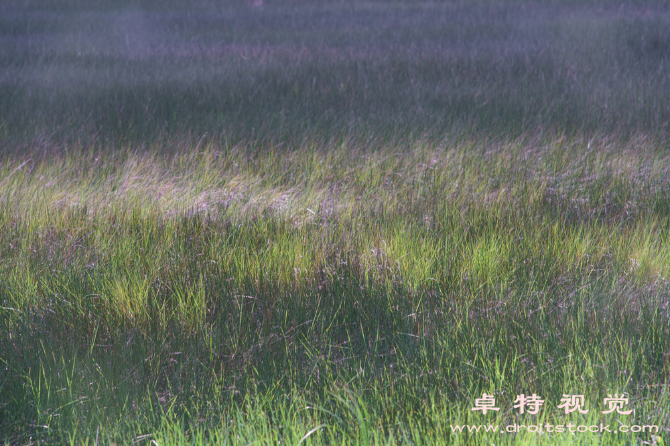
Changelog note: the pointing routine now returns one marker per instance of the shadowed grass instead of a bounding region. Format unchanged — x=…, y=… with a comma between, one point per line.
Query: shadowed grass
x=111, y=73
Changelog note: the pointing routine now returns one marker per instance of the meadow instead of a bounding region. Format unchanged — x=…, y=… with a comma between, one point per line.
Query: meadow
x=289, y=222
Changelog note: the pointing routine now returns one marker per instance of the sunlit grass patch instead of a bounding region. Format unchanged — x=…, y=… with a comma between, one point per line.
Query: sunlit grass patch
x=171, y=282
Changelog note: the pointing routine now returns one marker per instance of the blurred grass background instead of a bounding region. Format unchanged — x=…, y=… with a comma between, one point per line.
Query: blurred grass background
x=116, y=73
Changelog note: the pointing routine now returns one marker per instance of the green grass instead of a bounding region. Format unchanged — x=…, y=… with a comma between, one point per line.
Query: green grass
x=332, y=223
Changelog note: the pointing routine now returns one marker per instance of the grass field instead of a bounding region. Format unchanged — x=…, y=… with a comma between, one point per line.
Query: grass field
x=334, y=222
